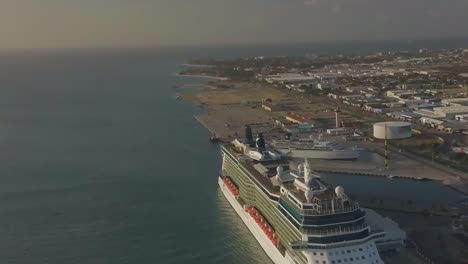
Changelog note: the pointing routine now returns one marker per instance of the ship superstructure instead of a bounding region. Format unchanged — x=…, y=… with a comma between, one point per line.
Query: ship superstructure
x=315, y=149
x=295, y=215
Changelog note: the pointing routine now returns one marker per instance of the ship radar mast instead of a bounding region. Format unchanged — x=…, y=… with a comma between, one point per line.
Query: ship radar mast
x=307, y=172
x=309, y=193
x=279, y=172
x=340, y=193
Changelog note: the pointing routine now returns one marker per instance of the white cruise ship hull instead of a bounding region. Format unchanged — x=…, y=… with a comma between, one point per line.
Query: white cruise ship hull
x=272, y=252
x=344, y=154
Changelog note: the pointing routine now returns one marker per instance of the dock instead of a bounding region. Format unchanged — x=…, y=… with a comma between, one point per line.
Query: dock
x=374, y=175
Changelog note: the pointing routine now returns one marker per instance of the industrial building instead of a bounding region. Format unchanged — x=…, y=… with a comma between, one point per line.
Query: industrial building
x=450, y=111
x=430, y=121
x=463, y=117
x=289, y=78
x=455, y=101
x=295, y=118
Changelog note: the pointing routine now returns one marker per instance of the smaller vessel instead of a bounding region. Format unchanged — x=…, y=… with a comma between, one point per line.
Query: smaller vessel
x=315, y=149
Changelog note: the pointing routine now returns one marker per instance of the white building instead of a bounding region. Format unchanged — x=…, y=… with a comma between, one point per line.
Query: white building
x=399, y=93
x=431, y=121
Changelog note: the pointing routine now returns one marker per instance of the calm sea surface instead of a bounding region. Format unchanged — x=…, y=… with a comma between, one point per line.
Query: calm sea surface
x=100, y=164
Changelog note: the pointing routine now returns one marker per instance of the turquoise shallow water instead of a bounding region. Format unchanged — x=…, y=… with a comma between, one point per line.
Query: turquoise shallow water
x=100, y=164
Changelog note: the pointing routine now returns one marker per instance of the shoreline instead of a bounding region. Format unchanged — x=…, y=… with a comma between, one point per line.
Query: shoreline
x=203, y=76
x=198, y=65
x=215, y=129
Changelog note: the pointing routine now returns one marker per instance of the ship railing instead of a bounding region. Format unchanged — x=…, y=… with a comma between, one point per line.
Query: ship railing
x=303, y=245
x=336, y=230
x=329, y=211
x=353, y=206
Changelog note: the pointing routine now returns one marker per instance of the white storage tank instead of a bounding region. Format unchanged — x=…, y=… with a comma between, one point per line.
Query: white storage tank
x=392, y=130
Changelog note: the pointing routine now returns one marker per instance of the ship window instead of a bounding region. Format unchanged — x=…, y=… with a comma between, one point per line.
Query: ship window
x=349, y=251
x=317, y=262
x=333, y=262
x=339, y=261
x=351, y=259
x=324, y=262
x=363, y=257
x=321, y=253
x=360, y=249
x=315, y=253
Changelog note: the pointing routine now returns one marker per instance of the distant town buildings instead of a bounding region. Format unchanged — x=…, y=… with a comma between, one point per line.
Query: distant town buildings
x=413, y=89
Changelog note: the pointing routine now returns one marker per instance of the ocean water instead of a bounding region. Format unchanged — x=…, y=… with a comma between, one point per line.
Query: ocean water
x=100, y=164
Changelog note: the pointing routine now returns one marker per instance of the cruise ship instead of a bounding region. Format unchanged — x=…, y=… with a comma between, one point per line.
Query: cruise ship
x=297, y=217
x=315, y=149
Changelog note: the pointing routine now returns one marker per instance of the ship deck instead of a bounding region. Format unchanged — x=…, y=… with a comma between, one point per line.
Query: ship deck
x=269, y=183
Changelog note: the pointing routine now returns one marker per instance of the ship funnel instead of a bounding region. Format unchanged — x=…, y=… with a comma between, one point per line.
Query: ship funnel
x=249, y=136
x=261, y=142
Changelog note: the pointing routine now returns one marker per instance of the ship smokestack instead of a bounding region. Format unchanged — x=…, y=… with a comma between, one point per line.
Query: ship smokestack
x=260, y=143
x=249, y=136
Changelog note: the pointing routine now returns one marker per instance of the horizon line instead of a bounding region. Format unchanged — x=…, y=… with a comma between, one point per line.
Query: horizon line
x=429, y=40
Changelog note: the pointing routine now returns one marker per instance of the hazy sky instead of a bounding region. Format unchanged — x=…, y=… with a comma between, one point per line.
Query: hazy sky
x=89, y=23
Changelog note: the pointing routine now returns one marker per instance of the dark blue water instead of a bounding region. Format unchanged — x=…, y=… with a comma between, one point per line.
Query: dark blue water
x=100, y=164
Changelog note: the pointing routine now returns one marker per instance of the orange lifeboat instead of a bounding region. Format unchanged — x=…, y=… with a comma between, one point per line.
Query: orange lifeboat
x=232, y=188
x=267, y=230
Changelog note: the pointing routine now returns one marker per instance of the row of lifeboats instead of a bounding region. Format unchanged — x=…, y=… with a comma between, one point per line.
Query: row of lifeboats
x=232, y=188
x=260, y=220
